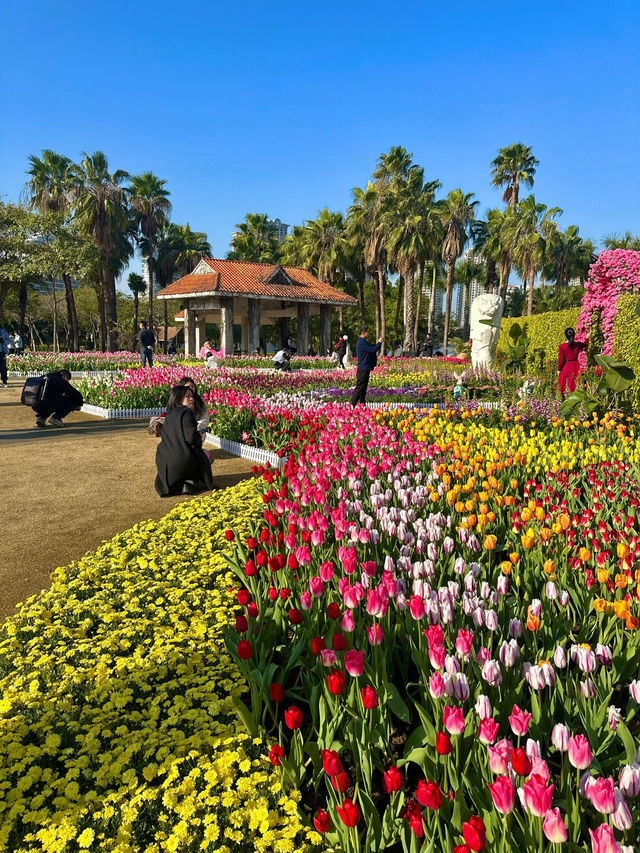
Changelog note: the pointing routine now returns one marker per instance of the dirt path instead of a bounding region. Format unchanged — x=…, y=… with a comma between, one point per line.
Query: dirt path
x=64, y=491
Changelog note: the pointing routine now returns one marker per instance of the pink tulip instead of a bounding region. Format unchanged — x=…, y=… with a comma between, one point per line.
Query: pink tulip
x=453, y=719
x=347, y=623
x=305, y=600
x=464, y=641
x=487, y=730
x=374, y=633
x=499, y=756
x=437, y=657
x=328, y=657
x=600, y=793
x=579, y=752
x=350, y=597
x=553, y=827
x=519, y=721
x=348, y=558
x=629, y=780
x=316, y=586
x=354, y=662
x=416, y=605
x=436, y=685
x=326, y=572
x=537, y=796
x=374, y=602
x=503, y=794
x=317, y=537
x=603, y=840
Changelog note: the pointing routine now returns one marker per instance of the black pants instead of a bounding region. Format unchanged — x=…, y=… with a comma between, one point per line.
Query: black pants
x=360, y=391
x=3, y=367
x=57, y=406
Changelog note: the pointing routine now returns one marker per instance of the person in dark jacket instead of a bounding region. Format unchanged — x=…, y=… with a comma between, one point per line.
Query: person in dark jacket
x=341, y=349
x=183, y=467
x=59, y=399
x=367, y=356
x=147, y=342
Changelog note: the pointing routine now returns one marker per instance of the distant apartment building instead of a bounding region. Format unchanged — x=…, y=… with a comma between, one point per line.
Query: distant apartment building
x=281, y=228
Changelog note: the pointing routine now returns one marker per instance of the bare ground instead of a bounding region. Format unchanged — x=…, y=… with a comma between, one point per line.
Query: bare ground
x=64, y=491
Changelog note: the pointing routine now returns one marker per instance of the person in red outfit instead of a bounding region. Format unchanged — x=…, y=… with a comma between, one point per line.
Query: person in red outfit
x=568, y=367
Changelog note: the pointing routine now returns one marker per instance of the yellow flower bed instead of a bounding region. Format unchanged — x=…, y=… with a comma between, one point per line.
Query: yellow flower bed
x=117, y=727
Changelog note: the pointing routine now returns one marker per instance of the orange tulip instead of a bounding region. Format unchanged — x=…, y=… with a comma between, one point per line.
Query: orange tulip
x=513, y=484
x=545, y=534
x=584, y=554
x=599, y=605
x=621, y=609
x=526, y=514
x=471, y=520
x=622, y=580
x=505, y=565
x=528, y=538
x=622, y=550
x=533, y=622
x=540, y=513
x=490, y=542
x=548, y=566
x=514, y=557
x=603, y=574
x=459, y=506
x=632, y=622
x=565, y=521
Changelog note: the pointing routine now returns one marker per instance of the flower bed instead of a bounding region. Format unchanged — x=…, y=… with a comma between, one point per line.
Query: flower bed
x=43, y=362
x=117, y=702
x=425, y=602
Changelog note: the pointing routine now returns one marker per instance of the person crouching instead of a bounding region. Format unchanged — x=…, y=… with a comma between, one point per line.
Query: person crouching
x=183, y=467
x=60, y=398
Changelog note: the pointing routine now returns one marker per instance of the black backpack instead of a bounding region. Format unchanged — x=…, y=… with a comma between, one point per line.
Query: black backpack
x=34, y=391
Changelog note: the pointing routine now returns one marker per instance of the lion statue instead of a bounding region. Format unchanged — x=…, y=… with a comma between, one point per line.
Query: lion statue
x=488, y=307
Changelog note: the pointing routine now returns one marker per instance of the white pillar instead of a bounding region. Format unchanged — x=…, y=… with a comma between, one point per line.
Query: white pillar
x=189, y=333
x=244, y=335
x=226, y=325
x=201, y=332
x=325, y=329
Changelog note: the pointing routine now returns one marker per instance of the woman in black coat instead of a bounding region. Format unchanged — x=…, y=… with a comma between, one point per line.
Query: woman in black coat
x=183, y=467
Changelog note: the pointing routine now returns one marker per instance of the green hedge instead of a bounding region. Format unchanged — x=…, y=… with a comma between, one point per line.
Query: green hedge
x=626, y=334
x=545, y=331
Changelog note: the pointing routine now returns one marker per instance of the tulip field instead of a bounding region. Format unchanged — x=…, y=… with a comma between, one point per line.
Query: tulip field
x=421, y=634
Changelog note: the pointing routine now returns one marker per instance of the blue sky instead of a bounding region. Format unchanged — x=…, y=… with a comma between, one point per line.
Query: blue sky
x=284, y=107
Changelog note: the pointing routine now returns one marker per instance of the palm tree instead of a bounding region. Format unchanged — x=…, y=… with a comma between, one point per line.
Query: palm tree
x=101, y=211
x=150, y=206
x=456, y=212
x=365, y=225
x=627, y=241
x=568, y=256
x=514, y=165
x=494, y=243
x=255, y=240
x=324, y=248
x=49, y=189
x=137, y=285
x=531, y=228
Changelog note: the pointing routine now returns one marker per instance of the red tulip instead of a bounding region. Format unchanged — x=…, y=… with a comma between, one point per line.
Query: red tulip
x=461, y=848
x=340, y=782
x=321, y=821
x=428, y=794
x=295, y=617
x=276, y=692
x=229, y=535
x=250, y=568
x=275, y=754
x=369, y=697
x=333, y=610
x=243, y=597
x=317, y=645
x=244, y=649
x=349, y=813
x=336, y=682
x=443, y=743
x=520, y=762
x=339, y=642
x=474, y=833
x=331, y=762
x=241, y=624
x=252, y=610
x=392, y=780
x=293, y=717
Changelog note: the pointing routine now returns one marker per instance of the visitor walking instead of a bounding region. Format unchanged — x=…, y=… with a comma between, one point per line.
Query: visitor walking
x=18, y=344
x=341, y=349
x=568, y=365
x=57, y=398
x=367, y=356
x=182, y=465
x=147, y=342
x=4, y=351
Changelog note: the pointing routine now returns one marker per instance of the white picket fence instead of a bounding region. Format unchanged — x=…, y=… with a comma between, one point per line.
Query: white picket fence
x=254, y=454
x=120, y=414
x=483, y=404
x=75, y=374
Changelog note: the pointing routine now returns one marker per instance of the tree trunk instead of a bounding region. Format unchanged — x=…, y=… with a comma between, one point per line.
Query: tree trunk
x=72, y=315
x=341, y=320
x=505, y=272
x=491, y=275
x=466, y=313
x=376, y=299
x=532, y=281
x=418, y=305
x=409, y=316
x=55, y=315
x=396, y=319
x=432, y=302
x=22, y=307
x=109, y=285
x=361, y=299
x=102, y=316
x=383, y=320
x=451, y=269
x=149, y=267
x=166, y=325
x=3, y=293
x=136, y=306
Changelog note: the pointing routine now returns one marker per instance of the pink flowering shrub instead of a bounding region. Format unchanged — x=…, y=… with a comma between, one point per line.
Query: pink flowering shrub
x=615, y=272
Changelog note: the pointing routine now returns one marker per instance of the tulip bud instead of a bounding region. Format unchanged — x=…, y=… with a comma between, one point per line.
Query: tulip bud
x=603, y=655
x=503, y=585
x=560, y=737
x=621, y=816
x=613, y=717
x=491, y=620
x=560, y=657
x=515, y=628
x=483, y=707
x=634, y=690
x=629, y=780
x=588, y=688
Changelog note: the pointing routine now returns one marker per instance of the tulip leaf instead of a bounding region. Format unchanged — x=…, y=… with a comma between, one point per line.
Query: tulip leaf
x=515, y=331
x=396, y=704
x=419, y=756
x=416, y=738
x=619, y=377
x=627, y=740
x=245, y=715
x=372, y=819
x=638, y=308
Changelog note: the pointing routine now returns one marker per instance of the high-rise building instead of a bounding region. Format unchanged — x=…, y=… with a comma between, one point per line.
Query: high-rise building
x=280, y=227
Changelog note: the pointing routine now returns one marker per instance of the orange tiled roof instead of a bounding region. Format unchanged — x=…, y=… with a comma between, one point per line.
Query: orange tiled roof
x=241, y=278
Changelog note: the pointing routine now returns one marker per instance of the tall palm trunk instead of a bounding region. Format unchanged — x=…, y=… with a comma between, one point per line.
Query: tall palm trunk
x=466, y=314
x=383, y=321
x=532, y=280
x=432, y=302
x=361, y=298
x=376, y=301
x=396, y=319
x=451, y=268
x=55, y=315
x=136, y=306
x=418, y=305
x=505, y=272
x=102, y=316
x=407, y=344
x=150, y=270
x=72, y=315
x=166, y=326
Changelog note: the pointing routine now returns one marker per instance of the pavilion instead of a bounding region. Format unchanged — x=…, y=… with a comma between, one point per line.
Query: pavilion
x=249, y=295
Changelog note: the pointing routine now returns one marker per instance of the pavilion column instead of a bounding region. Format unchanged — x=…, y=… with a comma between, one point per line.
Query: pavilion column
x=226, y=325
x=201, y=332
x=253, y=324
x=325, y=329
x=189, y=333
x=302, y=338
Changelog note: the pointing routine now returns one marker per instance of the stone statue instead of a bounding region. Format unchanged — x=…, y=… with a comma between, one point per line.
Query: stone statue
x=487, y=306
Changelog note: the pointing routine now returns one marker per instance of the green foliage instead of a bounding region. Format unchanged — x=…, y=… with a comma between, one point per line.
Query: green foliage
x=626, y=334
x=616, y=378
x=544, y=331
x=596, y=339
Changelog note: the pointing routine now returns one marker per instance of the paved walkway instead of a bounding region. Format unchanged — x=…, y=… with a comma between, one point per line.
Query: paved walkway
x=64, y=491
